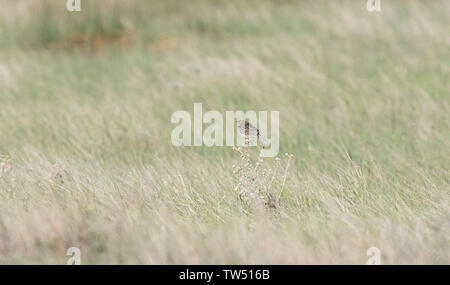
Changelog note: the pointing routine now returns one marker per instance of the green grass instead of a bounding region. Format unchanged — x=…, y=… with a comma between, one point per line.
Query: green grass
x=85, y=106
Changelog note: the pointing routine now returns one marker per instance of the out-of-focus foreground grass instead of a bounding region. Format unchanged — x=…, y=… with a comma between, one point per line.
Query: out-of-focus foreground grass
x=85, y=106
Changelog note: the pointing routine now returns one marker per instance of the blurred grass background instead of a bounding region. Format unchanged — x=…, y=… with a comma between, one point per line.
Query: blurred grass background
x=86, y=99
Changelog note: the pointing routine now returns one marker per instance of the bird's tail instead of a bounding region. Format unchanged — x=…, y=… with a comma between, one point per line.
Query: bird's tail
x=262, y=143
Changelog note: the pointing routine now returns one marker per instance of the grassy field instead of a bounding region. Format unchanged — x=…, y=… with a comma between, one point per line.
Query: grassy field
x=86, y=158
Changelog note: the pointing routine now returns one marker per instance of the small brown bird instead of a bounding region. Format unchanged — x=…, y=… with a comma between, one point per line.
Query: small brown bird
x=249, y=131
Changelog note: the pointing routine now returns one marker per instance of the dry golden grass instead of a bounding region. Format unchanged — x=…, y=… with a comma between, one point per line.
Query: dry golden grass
x=86, y=159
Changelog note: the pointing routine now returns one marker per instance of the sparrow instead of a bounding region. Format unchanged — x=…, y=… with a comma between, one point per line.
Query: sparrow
x=249, y=131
